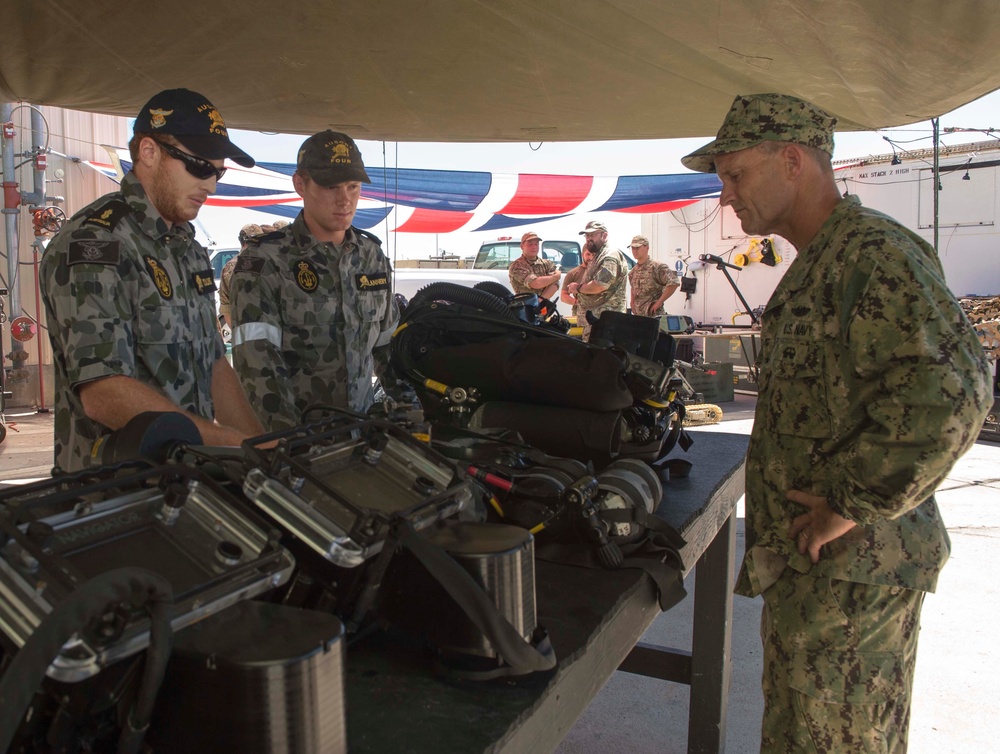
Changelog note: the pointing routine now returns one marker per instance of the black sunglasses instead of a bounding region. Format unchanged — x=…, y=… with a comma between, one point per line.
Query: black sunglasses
x=196, y=166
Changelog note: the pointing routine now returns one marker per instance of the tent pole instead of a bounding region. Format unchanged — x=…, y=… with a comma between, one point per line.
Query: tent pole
x=936, y=122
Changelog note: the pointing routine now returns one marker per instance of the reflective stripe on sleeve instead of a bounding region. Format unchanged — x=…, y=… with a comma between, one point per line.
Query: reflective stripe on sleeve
x=384, y=337
x=251, y=331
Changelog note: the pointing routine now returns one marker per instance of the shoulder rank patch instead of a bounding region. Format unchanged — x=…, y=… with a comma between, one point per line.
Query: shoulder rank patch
x=161, y=278
x=108, y=215
x=249, y=264
x=372, y=281
x=93, y=252
x=305, y=276
x=274, y=235
x=369, y=236
x=203, y=281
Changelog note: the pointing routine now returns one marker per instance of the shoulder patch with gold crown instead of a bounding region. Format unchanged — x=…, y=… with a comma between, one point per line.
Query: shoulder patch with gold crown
x=369, y=236
x=108, y=215
x=161, y=278
x=305, y=276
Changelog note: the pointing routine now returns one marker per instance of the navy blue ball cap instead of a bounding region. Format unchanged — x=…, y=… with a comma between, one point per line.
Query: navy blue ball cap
x=194, y=121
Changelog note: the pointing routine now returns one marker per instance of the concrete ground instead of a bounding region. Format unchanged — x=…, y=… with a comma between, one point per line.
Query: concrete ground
x=958, y=665
x=26, y=452
x=958, y=670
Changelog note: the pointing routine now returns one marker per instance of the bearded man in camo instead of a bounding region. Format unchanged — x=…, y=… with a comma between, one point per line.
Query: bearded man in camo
x=128, y=291
x=872, y=384
x=312, y=303
x=602, y=286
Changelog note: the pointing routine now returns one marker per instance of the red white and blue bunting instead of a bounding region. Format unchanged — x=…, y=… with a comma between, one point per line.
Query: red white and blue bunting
x=442, y=201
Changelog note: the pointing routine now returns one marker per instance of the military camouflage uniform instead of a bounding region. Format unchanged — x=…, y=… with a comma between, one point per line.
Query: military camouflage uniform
x=608, y=267
x=872, y=385
x=311, y=322
x=126, y=295
x=648, y=280
x=522, y=272
x=574, y=276
x=225, y=280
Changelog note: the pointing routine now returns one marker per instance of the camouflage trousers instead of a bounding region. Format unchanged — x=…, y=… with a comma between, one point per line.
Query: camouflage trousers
x=838, y=666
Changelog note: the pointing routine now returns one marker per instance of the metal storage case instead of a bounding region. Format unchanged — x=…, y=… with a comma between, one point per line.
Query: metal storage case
x=59, y=533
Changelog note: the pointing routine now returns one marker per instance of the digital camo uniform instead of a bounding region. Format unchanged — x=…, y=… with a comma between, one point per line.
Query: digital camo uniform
x=248, y=231
x=608, y=267
x=126, y=295
x=311, y=324
x=648, y=281
x=522, y=272
x=225, y=280
x=574, y=276
x=872, y=385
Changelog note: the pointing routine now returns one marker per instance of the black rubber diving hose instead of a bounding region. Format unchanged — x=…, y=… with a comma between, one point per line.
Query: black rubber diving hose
x=26, y=671
x=495, y=288
x=460, y=294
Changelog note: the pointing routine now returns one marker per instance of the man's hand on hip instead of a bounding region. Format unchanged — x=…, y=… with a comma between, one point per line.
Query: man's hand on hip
x=818, y=526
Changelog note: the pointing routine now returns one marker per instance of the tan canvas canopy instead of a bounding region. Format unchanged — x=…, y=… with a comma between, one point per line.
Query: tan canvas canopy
x=485, y=70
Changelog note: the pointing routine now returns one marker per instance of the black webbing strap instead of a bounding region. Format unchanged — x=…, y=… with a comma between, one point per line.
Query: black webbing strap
x=512, y=648
x=669, y=535
x=653, y=555
x=658, y=553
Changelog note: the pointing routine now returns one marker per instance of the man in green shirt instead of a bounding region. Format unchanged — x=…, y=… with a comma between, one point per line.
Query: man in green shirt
x=872, y=384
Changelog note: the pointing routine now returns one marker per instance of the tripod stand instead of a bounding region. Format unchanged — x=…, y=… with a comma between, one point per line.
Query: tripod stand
x=722, y=264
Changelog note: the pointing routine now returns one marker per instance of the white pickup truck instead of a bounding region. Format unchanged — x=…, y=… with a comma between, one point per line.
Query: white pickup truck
x=498, y=254
x=491, y=263
x=408, y=280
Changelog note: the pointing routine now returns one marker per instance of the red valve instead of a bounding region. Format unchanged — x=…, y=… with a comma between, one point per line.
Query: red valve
x=11, y=196
x=22, y=329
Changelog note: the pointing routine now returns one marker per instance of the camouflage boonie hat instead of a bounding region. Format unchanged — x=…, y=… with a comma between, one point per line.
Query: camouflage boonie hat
x=248, y=231
x=594, y=226
x=331, y=157
x=755, y=118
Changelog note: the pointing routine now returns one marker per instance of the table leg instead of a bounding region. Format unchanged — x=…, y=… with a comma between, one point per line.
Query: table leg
x=711, y=659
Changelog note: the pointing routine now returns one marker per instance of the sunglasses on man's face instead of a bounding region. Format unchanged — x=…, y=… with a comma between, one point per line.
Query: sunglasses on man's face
x=196, y=166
